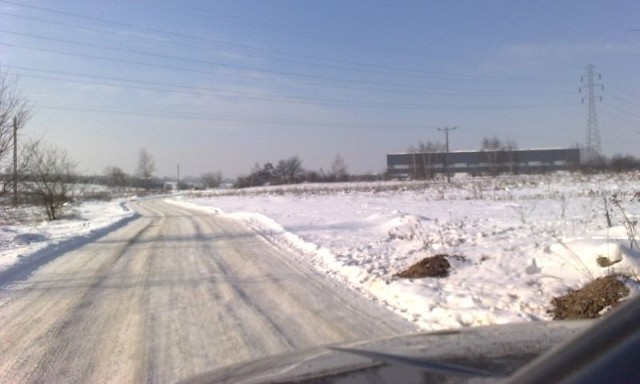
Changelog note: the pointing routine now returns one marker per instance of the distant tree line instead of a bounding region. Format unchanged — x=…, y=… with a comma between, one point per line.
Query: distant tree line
x=425, y=165
x=32, y=172
x=291, y=171
x=35, y=172
x=618, y=163
x=498, y=154
x=500, y=157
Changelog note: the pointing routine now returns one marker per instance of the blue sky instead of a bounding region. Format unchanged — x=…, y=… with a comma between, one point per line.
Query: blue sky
x=222, y=85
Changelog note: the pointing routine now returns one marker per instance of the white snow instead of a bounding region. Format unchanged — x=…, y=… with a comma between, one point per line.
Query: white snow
x=81, y=223
x=520, y=240
x=517, y=241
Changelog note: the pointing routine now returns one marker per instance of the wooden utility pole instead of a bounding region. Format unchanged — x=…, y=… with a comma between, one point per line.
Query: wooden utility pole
x=15, y=161
x=446, y=156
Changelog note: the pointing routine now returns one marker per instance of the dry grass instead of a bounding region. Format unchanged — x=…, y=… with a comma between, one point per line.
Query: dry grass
x=434, y=266
x=589, y=301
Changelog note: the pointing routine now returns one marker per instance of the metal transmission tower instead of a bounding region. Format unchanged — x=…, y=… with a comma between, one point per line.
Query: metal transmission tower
x=593, y=146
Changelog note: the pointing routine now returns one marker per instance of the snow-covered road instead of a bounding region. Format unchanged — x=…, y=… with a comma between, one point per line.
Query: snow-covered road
x=169, y=295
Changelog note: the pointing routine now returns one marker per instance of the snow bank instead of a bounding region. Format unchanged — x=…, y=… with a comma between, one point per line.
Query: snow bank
x=30, y=244
x=519, y=241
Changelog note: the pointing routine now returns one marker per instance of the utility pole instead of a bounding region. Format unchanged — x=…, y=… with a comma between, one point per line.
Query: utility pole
x=15, y=160
x=593, y=146
x=446, y=156
x=178, y=179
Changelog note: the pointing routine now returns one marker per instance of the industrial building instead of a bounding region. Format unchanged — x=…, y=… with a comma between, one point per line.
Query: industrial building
x=482, y=162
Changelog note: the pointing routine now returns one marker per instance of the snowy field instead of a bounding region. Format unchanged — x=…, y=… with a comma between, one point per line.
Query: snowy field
x=514, y=242
x=517, y=241
x=30, y=236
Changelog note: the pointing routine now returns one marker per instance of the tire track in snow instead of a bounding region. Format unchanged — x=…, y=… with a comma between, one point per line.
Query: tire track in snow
x=66, y=333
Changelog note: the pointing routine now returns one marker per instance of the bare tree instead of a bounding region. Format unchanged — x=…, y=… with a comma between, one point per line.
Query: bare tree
x=510, y=149
x=432, y=147
x=491, y=147
x=289, y=170
x=424, y=158
x=212, y=179
x=285, y=172
x=339, y=169
x=499, y=155
x=146, y=167
x=14, y=113
x=49, y=177
x=116, y=178
x=624, y=163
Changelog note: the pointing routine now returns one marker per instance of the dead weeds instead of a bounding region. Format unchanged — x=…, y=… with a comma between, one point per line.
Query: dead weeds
x=434, y=266
x=589, y=301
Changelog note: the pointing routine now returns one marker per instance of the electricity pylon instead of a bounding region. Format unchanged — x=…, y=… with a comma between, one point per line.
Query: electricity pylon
x=593, y=146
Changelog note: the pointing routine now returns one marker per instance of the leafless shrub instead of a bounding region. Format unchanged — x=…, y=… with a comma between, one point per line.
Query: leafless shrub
x=212, y=179
x=523, y=212
x=49, y=177
x=116, y=178
x=411, y=231
x=629, y=225
x=97, y=196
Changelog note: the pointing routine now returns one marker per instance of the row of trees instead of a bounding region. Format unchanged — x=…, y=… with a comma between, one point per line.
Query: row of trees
x=39, y=173
x=36, y=173
x=497, y=154
x=291, y=171
x=118, y=180
x=617, y=163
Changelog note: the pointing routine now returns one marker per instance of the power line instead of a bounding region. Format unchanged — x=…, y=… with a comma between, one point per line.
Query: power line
x=223, y=118
x=241, y=119
x=621, y=110
x=208, y=62
x=193, y=90
x=191, y=60
x=619, y=117
x=243, y=95
x=295, y=31
x=629, y=123
x=126, y=61
x=340, y=41
x=193, y=70
x=350, y=103
x=449, y=76
x=224, y=43
x=626, y=93
x=637, y=104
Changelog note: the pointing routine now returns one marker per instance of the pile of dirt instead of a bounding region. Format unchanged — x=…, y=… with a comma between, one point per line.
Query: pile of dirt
x=434, y=266
x=588, y=301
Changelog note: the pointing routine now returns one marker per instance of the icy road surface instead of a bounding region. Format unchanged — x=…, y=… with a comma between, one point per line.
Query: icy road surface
x=172, y=294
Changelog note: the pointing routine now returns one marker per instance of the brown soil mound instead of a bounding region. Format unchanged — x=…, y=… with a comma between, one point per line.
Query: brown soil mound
x=434, y=266
x=588, y=301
